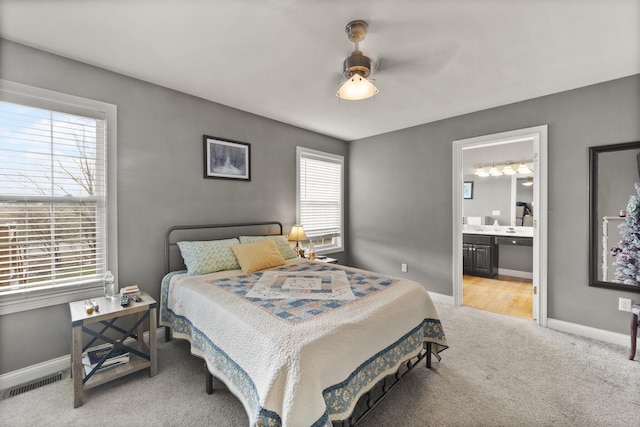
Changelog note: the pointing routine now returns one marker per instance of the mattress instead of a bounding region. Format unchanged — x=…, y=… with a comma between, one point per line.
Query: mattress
x=300, y=343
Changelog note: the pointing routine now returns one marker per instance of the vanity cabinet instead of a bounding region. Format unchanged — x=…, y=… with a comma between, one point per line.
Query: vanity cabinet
x=480, y=255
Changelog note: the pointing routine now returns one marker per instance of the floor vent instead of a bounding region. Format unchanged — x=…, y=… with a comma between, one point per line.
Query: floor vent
x=32, y=385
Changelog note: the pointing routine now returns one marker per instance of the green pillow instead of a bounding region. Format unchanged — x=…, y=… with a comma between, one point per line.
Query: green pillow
x=281, y=242
x=202, y=257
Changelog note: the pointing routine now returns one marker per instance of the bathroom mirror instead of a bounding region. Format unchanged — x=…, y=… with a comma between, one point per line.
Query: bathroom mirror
x=613, y=170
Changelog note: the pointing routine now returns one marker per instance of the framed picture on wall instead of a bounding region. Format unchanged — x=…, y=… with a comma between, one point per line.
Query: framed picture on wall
x=467, y=190
x=226, y=159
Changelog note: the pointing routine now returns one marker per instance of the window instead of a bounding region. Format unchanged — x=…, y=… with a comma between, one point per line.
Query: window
x=320, y=198
x=56, y=227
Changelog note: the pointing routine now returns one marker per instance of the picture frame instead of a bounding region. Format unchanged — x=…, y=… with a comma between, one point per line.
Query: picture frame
x=467, y=190
x=226, y=159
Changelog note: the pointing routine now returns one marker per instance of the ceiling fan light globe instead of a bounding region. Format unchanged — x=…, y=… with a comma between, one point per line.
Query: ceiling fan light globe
x=356, y=88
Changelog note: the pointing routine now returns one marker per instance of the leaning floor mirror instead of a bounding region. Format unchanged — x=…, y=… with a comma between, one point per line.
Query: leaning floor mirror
x=614, y=216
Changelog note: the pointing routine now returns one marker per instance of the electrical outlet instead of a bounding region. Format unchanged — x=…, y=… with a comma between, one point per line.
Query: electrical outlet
x=403, y=268
x=495, y=213
x=624, y=304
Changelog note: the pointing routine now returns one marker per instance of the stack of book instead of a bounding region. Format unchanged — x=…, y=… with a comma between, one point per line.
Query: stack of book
x=94, y=355
x=130, y=290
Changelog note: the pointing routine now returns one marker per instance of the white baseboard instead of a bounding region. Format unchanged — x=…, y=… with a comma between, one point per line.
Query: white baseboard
x=33, y=372
x=589, y=332
x=446, y=299
x=515, y=273
x=50, y=367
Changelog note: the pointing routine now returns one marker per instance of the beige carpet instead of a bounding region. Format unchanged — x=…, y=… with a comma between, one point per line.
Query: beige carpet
x=498, y=371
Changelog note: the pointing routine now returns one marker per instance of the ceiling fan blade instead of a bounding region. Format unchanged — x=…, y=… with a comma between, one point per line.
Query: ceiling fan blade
x=424, y=63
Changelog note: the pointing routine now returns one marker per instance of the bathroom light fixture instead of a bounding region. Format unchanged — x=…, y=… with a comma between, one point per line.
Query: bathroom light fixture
x=480, y=171
x=528, y=182
x=523, y=169
x=508, y=169
x=357, y=67
x=504, y=168
x=494, y=171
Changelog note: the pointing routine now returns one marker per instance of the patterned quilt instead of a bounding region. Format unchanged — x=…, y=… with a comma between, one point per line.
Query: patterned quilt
x=299, y=344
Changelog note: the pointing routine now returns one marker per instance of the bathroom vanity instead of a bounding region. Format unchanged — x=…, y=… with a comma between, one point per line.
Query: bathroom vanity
x=481, y=249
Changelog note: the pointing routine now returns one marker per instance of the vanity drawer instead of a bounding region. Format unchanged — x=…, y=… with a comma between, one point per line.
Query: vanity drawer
x=515, y=241
x=478, y=239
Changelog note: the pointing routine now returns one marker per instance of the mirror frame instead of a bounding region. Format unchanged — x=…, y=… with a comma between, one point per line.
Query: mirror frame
x=594, y=224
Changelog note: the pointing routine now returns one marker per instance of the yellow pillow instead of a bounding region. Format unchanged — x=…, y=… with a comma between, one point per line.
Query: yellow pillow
x=258, y=256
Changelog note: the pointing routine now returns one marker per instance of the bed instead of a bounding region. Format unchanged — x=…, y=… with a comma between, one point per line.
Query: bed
x=301, y=342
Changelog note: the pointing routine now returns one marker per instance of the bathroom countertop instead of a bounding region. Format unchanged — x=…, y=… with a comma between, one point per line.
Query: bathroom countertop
x=491, y=230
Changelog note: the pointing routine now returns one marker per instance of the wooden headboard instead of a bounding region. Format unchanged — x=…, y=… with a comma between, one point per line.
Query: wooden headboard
x=172, y=259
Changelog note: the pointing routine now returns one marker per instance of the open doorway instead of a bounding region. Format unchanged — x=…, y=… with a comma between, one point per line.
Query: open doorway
x=496, y=226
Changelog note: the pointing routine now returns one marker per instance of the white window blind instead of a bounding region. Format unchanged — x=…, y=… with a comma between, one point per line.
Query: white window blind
x=52, y=198
x=320, y=197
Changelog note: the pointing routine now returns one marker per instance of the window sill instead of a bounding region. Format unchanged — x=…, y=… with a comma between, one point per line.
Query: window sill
x=31, y=299
x=328, y=251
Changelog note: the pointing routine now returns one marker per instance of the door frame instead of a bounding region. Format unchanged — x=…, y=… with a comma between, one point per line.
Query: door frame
x=539, y=136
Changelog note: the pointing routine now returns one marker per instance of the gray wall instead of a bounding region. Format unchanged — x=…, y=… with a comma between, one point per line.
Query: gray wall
x=403, y=214
x=160, y=183
x=489, y=194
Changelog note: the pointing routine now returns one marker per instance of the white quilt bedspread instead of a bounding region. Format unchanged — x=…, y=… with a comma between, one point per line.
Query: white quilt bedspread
x=301, y=361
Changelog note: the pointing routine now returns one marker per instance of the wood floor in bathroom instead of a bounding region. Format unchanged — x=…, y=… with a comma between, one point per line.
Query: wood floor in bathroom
x=512, y=296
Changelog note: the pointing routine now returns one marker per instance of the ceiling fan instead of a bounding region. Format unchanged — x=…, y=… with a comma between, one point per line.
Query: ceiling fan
x=357, y=67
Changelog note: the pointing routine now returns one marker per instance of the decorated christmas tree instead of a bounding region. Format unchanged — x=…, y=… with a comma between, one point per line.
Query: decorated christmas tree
x=627, y=251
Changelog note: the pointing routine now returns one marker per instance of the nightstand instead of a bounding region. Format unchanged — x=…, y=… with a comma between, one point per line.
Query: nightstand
x=141, y=355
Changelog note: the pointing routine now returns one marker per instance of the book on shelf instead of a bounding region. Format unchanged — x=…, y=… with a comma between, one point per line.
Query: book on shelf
x=92, y=357
x=130, y=290
x=89, y=368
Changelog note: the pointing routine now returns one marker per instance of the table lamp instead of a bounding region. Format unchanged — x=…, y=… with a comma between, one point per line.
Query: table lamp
x=297, y=234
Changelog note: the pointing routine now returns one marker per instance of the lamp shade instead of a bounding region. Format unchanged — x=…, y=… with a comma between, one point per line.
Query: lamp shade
x=356, y=88
x=297, y=233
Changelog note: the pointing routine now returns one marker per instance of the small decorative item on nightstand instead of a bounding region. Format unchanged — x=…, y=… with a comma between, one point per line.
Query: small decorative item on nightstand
x=109, y=285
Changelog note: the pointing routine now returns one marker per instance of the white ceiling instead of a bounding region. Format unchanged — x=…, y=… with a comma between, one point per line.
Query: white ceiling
x=282, y=59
